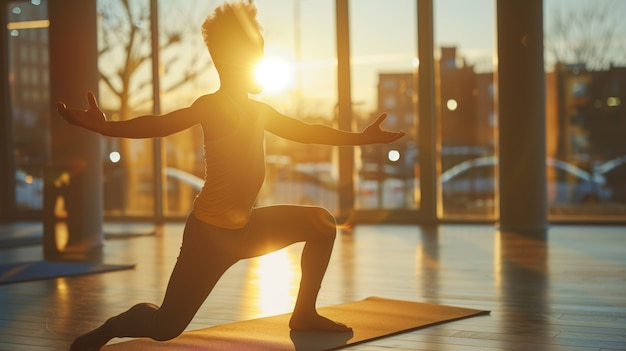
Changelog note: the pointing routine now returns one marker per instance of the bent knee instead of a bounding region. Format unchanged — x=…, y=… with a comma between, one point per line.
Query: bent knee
x=324, y=222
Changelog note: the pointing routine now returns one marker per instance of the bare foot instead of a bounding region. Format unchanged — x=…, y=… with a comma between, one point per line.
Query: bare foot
x=92, y=341
x=316, y=322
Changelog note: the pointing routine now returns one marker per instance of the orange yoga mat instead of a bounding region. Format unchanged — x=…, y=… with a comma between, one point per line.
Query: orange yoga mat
x=370, y=319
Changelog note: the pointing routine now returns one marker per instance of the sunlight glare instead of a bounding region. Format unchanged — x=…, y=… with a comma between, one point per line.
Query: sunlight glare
x=273, y=74
x=277, y=280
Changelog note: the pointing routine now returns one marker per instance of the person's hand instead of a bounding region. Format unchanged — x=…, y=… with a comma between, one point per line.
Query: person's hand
x=92, y=119
x=375, y=134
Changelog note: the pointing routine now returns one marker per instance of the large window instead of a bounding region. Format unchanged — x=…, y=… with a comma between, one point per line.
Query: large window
x=585, y=77
x=585, y=112
x=300, y=52
x=585, y=118
x=185, y=73
x=383, y=66
x=124, y=63
x=466, y=107
x=28, y=97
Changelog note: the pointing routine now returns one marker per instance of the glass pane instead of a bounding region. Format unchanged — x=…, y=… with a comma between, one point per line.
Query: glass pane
x=28, y=84
x=586, y=118
x=186, y=73
x=125, y=92
x=464, y=46
x=383, y=49
x=300, y=43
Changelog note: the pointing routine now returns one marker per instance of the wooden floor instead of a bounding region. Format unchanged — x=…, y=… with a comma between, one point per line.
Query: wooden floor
x=567, y=292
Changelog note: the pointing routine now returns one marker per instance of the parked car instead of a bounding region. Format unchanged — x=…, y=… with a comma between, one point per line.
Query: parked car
x=614, y=172
x=472, y=183
x=185, y=177
x=28, y=191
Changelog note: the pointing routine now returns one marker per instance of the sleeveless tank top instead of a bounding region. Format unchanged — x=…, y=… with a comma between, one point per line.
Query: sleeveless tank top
x=234, y=174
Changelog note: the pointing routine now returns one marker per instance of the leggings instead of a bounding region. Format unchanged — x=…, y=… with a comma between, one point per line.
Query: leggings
x=208, y=251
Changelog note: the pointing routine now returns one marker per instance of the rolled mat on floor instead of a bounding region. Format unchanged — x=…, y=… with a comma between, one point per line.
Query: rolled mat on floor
x=370, y=319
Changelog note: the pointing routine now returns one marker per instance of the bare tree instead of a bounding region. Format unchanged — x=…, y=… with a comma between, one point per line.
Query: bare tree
x=125, y=68
x=586, y=34
x=125, y=51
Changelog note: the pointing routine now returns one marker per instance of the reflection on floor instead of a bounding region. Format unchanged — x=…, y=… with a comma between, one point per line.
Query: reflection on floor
x=561, y=292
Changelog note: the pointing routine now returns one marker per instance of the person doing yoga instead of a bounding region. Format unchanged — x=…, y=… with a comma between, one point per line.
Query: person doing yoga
x=224, y=225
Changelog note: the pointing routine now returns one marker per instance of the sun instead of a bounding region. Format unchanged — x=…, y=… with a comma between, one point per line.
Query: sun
x=273, y=74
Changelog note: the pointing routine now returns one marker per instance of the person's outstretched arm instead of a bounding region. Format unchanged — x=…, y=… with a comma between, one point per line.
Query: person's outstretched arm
x=295, y=130
x=147, y=126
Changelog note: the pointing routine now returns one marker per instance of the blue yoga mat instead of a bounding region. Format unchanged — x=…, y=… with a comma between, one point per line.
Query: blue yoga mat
x=37, y=270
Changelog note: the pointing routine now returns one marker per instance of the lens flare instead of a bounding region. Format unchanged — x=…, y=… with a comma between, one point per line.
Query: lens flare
x=273, y=74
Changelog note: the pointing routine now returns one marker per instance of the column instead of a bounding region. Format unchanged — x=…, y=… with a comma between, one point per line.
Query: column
x=521, y=112
x=73, y=195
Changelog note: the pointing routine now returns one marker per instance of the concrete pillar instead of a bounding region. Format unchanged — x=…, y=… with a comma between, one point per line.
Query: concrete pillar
x=521, y=111
x=73, y=188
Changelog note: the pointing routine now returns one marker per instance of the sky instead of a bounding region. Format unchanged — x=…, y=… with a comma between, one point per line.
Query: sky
x=383, y=39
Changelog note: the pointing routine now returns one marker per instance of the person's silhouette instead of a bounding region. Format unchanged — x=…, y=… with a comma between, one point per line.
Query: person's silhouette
x=224, y=226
